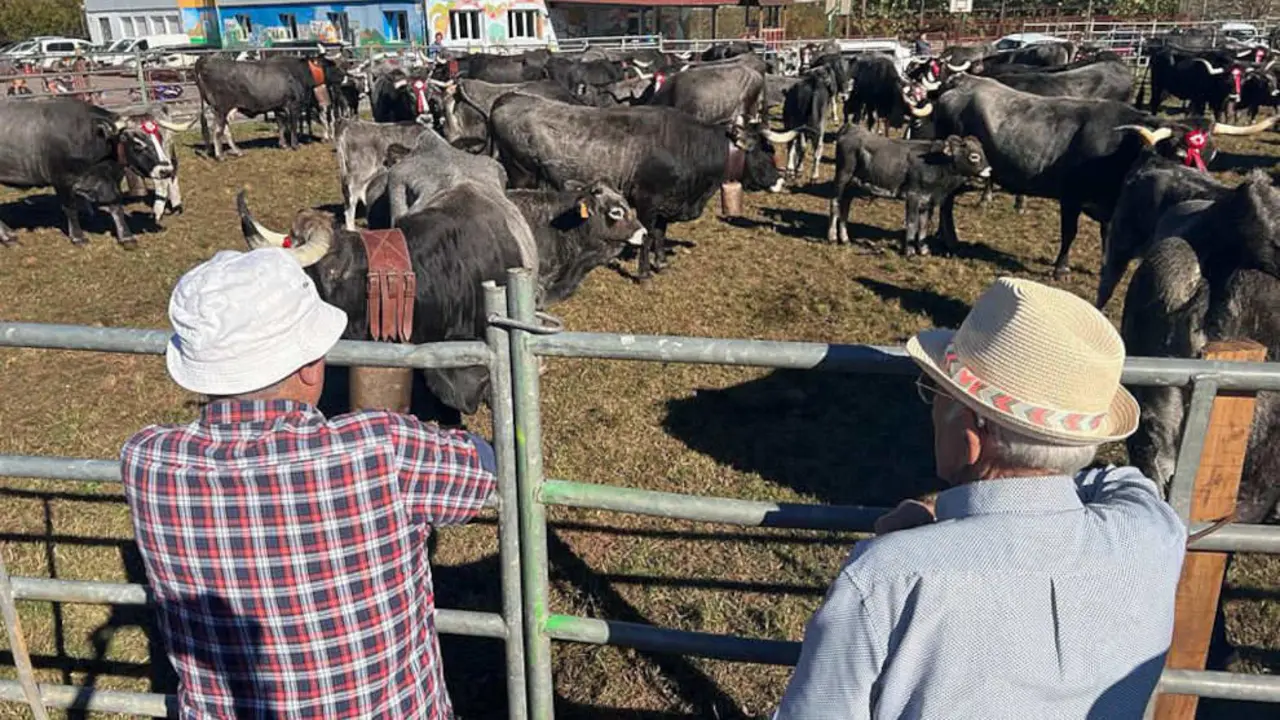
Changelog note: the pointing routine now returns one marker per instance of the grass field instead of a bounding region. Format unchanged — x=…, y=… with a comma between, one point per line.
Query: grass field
x=697, y=429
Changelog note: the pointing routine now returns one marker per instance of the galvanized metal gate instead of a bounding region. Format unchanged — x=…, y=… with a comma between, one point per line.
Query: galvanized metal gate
x=514, y=343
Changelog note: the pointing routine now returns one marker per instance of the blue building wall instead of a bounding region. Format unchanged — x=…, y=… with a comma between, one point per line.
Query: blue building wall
x=369, y=23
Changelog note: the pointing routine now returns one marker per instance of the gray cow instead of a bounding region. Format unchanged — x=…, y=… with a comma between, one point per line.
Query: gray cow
x=718, y=93
x=362, y=151
x=1212, y=273
x=467, y=104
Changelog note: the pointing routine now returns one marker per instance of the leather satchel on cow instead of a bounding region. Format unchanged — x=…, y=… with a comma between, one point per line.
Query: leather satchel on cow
x=392, y=285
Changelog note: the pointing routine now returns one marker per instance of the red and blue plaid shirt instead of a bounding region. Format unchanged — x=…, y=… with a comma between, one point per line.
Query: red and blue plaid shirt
x=288, y=556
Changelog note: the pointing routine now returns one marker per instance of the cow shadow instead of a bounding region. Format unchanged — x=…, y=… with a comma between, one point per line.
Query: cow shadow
x=839, y=438
x=44, y=212
x=943, y=311
x=984, y=253
x=825, y=189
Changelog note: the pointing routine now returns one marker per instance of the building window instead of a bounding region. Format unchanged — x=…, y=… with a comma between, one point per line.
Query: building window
x=289, y=22
x=104, y=27
x=140, y=24
x=396, y=23
x=522, y=23
x=172, y=25
x=772, y=16
x=246, y=25
x=464, y=24
x=126, y=27
x=341, y=24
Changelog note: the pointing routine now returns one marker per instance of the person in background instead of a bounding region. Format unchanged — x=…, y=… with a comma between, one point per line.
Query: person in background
x=436, y=48
x=1033, y=588
x=287, y=551
x=922, y=48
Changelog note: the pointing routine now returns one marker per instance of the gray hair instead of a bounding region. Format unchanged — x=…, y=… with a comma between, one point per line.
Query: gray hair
x=1012, y=450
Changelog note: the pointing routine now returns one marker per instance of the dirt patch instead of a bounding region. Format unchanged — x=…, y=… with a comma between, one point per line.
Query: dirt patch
x=754, y=434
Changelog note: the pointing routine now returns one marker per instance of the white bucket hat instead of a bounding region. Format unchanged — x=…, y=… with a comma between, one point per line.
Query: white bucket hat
x=245, y=320
x=1037, y=360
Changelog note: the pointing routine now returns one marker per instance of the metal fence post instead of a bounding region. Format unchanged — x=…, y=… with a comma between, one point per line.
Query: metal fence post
x=142, y=78
x=18, y=643
x=533, y=517
x=495, y=303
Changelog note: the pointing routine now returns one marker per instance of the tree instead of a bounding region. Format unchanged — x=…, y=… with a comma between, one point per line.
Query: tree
x=21, y=19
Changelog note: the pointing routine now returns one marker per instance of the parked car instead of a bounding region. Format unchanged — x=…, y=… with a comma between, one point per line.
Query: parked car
x=896, y=51
x=48, y=51
x=124, y=51
x=1021, y=40
x=1242, y=34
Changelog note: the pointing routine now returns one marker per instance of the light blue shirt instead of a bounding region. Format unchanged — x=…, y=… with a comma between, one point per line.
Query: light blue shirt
x=1046, y=597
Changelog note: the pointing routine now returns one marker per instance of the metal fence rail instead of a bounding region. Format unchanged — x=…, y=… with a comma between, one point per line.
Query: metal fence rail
x=506, y=626
x=542, y=625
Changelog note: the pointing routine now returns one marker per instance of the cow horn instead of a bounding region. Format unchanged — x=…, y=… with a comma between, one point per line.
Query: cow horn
x=121, y=123
x=177, y=127
x=438, y=83
x=924, y=111
x=1267, y=67
x=1149, y=137
x=960, y=68
x=257, y=236
x=1212, y=70
x=929, y=86
x=779, y=137
x=1225, y=129
x=640, y=64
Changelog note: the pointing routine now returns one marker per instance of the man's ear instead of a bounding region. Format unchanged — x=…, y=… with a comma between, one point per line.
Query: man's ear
x=312, y=374
x=975, y=434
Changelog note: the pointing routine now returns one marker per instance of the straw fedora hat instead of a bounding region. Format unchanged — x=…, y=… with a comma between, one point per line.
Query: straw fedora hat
x=1037, y=360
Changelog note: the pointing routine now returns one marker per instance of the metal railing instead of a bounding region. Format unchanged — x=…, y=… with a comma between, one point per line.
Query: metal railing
x=527, y=623
x=507, y=625
x=536, y=491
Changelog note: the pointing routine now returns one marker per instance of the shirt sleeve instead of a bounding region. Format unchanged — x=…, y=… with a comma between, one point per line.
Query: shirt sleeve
x=1125, y=490
x=446, y=475
x=840, y=660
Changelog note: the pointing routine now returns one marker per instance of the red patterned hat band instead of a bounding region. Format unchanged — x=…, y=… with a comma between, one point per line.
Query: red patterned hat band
x=994, y=397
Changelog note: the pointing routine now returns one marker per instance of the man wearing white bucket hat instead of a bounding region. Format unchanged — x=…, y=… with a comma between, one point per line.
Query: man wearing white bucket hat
x=1036, y=588
x=286, y=551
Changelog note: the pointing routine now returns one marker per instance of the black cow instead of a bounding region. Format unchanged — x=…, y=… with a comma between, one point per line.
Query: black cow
x=1211, y=273
x=920, y=171
x=1210, y=80
x=252, y=88
x=400, y=96
x=1261, y=89
x=881, y=93
x=1042, y=54
x=725, y=51
x=578, y=75
x=321, y=77
x=805, y=110
x=467, y=104
x=1097, y=80
x=1071, y=149
x=667, y=163
x=456, y=243
x=1153, y=186
x=502, y=68
x=81, y=151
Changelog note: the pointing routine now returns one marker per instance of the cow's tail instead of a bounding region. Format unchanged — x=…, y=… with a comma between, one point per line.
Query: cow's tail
x=204, y=127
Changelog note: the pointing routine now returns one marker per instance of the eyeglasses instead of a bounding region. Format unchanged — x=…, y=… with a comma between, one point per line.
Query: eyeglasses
x=926, y=389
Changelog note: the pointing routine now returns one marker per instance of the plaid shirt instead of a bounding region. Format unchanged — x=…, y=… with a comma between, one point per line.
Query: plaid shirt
x=288, y=556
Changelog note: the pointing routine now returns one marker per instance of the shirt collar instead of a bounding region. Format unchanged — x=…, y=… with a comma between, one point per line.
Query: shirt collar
x=237, y=412
x=1024, y=496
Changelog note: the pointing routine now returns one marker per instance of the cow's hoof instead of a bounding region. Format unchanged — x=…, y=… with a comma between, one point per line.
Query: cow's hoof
x=1061, y=272
x=924, y=249
x=908, y=251
x=129, y=243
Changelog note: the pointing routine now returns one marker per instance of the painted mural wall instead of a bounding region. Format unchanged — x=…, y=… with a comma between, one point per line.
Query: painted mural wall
x=382, y=23
x=199, y=21
x=495, y=23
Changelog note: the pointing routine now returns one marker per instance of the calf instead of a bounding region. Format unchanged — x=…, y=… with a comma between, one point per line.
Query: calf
x=805, y=111
x=362, y=150
x=920, y=171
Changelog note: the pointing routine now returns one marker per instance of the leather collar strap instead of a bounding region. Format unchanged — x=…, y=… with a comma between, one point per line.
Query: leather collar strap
x=392, y=285
x=317, y=72
x=734, y=162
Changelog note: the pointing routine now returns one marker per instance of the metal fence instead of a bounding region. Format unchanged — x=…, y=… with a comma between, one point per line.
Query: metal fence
x=506, y=625
x=512, y=348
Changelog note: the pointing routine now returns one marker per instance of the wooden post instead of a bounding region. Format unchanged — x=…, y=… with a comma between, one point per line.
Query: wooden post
x=715, y=32
x=1213, y=497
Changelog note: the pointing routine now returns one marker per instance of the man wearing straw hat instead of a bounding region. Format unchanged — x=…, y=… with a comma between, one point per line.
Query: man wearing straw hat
x=287, y=551
x=1034, y=588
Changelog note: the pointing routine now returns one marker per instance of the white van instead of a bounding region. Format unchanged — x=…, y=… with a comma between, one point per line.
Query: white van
x=48, y=50
x=124, y=50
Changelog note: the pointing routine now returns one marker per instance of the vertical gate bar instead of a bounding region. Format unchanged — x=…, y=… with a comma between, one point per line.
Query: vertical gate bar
x=533, y=516
x=495, y=303
x=18, y=643
x=1203, y=390
x=142, y=78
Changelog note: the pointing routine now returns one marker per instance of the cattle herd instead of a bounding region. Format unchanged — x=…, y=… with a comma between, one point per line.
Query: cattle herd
x=558, y=161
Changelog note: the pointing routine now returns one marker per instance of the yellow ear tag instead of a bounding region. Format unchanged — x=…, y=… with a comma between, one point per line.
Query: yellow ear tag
x=582, y=210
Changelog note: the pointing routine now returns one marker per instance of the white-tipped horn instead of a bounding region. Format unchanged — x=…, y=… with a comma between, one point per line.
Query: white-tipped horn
x=1225, y=129
x=924, y=111
x=641, y=64
x=177, y=127
x=1209, y=66
x=960, y=68
x=439, y=83
x=1149, y=137
x=255, y=235
x=313, y=249
x=779, y=137
x=402, y=82
x=929, y=86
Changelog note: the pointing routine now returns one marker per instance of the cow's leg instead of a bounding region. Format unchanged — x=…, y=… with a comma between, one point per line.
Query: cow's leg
x=1019, y=204
x=226, y=133
x=660, y=245
x=1070, y=223
x=817, y=151
x=911, y=225
x=349, y=201
x=987, y=192
x=123, y=234
x=72, y=205
x=793, y=151
x=175, y=194
x=947, y=223
x=6, y=235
